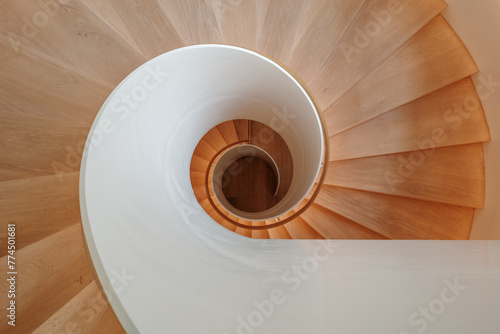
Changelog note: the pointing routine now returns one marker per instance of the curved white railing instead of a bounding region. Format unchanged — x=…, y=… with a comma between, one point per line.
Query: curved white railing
x=167, y=267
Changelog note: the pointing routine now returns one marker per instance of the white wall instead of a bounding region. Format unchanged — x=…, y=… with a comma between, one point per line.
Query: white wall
x=478, y=25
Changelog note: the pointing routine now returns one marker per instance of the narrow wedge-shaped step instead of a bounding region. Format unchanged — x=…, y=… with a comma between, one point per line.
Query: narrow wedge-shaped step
x=333, y=226
x=215, y=139
x=451, y=175
x=237, y=21
x=51, y=272
x=299, y=229
x=323, y=24
x=199, y=164
x=242, y=128
x=432, y=59
x=145, y=23
x=194, y=21
x=279, y=232
x=398, y=217
x=32, y=146
x=107, y=13
x=197, y=179
x=243, y=231
x=39, y=206
x=228, y=132
x=450, y=116
x=38, y=87
x=87, y=312
x=204, y=150
x=72, y=34
x=221, y=219
x=260, y=234
x=380, y=28
x=279, y=28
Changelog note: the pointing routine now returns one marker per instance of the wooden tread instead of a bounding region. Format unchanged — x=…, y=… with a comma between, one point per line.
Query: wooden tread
x=398, y=217
x=451, y=175
x=432, y=59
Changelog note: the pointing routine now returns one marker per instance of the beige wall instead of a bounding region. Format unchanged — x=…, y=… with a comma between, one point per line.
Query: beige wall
x=477, y=23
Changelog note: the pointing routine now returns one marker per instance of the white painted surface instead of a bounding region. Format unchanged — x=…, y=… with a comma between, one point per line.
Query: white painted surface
x=478, y=25
x=168, y=268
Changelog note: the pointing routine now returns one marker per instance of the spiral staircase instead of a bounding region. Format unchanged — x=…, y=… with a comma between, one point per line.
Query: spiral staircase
x=404, y=120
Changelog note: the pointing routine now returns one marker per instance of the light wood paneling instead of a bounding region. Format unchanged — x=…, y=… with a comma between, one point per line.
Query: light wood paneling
x=333, y=226
x=237, y=20
x=39, y=207
x=106, y=11
x=434, y=58
x=380, y=28
x=34, y=86
x=51, y=272
x=88, y=312
x=73, y=35
x=32, y=146
x=145, y=23
x=194, y=20
x=398, y=217
x=279, y=29
x=323, y=24
x=452, y=175
x=450, y=116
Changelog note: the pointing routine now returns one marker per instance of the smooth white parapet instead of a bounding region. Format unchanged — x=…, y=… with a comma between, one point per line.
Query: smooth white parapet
x=167, y=267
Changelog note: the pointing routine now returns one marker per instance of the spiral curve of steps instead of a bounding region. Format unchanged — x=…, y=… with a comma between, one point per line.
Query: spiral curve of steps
x=392, y=78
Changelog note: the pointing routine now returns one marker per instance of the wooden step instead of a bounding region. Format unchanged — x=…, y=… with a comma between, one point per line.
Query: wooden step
x=204, y=150
x=34, y=86
x=228, y=132
x=450, y=116
x=198, y=164
x=398, y=217
x=299, y=229
x=141, y=23
x=242, y=127
x=215, y=139
x=260, y=234
x=73, y=35
x=243, y=231
x=195, y=21
x=451, y=175
x=278, y=29
x=51, y=272
x=322, y=26
x=432, y=59
x=333, y=226
x=39, y=206
x=87, y=312
x=32, y=146
x=107, y=13
x=379, y=29
x=237, y=21
x=279, y=232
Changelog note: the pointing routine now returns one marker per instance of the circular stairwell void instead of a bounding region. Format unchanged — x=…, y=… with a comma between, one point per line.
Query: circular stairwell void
x=222, y=174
